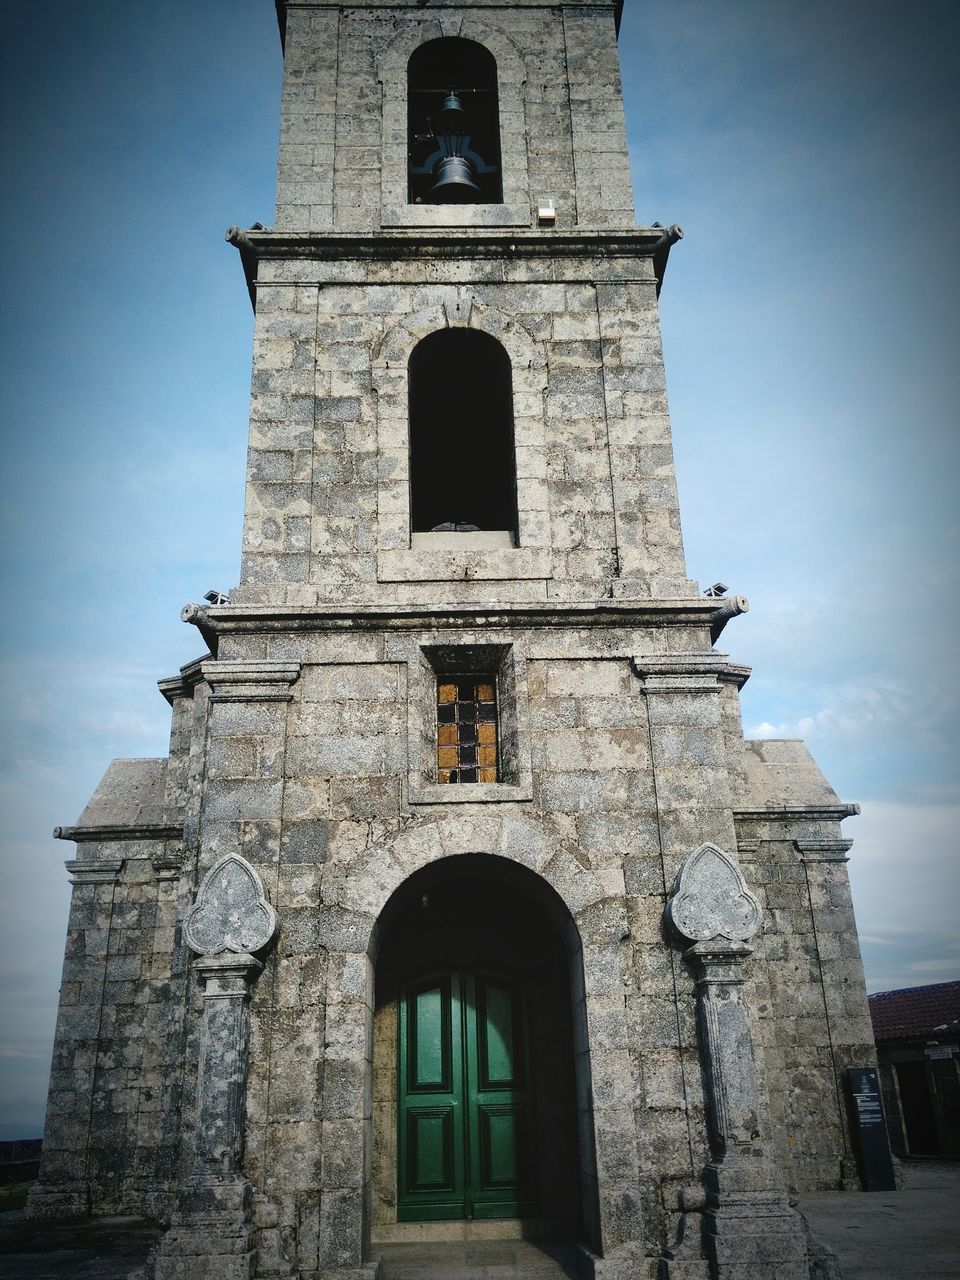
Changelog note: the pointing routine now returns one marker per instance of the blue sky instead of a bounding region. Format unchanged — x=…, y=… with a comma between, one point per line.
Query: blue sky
x=810, y=328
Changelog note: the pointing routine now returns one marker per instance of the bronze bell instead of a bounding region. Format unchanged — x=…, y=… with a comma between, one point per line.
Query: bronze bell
x=454, y=173
x=452, y=113
x=454, y=181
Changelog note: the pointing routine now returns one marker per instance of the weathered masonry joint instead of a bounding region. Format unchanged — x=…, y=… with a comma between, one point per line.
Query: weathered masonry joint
x=460, y=907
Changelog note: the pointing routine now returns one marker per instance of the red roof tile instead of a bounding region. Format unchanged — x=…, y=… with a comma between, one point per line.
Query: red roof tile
x=932, y=1011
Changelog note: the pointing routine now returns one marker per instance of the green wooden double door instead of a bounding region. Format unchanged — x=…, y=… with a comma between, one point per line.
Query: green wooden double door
x=464, y=1141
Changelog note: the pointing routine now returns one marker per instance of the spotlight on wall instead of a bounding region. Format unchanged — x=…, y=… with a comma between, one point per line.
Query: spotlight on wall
x=216, y=597
x=718, y=589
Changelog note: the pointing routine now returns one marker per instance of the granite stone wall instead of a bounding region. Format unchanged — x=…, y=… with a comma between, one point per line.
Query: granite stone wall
x=343, y=116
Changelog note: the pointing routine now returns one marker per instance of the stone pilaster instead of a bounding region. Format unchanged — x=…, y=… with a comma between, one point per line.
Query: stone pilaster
x=212, y=1236
x=749, y=1229
x=63, y=1186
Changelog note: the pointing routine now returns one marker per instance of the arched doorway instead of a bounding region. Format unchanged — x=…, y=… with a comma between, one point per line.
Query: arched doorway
x=475, y=1097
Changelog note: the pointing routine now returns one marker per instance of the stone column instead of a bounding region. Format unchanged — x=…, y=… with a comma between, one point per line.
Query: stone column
x=212, y=1236
x=749, y=1230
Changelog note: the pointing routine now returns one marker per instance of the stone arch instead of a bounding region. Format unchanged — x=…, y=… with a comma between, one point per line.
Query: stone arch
x=511, y=75
x=596, y=929
x=390, y=357
x=392, y=350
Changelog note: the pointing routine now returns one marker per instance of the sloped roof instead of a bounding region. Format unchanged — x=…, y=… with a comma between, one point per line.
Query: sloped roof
x=933, y=1011
x=129, y=793
x=781, y=771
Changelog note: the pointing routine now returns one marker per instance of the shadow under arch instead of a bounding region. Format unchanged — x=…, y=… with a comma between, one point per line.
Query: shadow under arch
x=474, y=913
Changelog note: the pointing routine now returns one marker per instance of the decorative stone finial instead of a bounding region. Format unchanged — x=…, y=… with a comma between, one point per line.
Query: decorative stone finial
x=711, y=899
x=231, y=912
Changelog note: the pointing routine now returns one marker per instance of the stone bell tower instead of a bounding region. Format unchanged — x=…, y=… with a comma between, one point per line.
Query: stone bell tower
x=460, y=908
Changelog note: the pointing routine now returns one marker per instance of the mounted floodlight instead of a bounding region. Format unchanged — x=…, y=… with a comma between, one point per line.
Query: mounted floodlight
x=718, y=589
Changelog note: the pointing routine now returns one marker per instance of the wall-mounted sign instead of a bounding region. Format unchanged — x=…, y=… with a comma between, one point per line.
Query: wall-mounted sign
x=876, y=1167
x=940, y=1050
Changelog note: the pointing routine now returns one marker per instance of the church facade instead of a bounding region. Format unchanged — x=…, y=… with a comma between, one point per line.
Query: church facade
x=460, y=903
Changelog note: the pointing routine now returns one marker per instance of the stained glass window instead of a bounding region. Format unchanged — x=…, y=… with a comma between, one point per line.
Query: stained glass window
x=467, y=729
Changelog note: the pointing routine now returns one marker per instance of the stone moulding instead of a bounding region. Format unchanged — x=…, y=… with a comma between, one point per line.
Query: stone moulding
x=824, y=850
x=251, y=681
x=104, y=871
x=431, y=245
x=824, y=812
x=256, y=618
x=711, y=899
x=231, y=911
x=104, y=832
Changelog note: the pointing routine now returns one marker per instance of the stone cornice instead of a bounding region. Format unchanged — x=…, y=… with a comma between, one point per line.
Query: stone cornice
x=104, y=871
x=182, y=685
x=735, y=673
x=431, y=245
x=815, y=812
x=812, y=850
x=257, y=681
x=253, y=618
x=108, y=831
x=685, y=672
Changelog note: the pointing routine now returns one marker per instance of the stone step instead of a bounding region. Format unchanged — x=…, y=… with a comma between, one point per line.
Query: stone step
x=481, y=1260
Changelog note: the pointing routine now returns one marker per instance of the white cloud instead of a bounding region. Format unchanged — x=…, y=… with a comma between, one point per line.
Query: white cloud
x=847, y=710
x=905, y=878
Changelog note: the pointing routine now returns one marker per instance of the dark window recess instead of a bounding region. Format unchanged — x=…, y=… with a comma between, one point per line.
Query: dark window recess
x=467, y=729
x=453, y=126
x=462, y=468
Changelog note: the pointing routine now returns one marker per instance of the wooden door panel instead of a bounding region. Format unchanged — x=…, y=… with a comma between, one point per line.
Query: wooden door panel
x=464, y=1136
x=501, y=1147
x=431, y=1160
x=430, y=1039
x=430, y=1149
x=500, y=1056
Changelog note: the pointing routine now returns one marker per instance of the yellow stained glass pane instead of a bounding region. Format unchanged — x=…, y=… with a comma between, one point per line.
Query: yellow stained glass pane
x=487, y=775
x=484, y=692
x=444, y=775
x=447, y=693
x=487, y=755
x=487, y=733
x=447, y=757
x=447, y=735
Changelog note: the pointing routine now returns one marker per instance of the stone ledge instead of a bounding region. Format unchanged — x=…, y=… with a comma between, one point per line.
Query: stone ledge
x=834, y=812
x=106, y=871
x=108, y=831
x=260, y=681
x=243, y=617
x=473, y=793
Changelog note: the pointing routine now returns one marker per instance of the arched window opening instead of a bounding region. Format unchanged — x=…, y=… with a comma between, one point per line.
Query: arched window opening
x=453, y=126
x=462, y=463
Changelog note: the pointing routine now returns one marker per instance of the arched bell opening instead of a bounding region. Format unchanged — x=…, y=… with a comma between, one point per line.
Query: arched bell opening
x=480, y=1064
x=453, y=126
x=462, y=457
